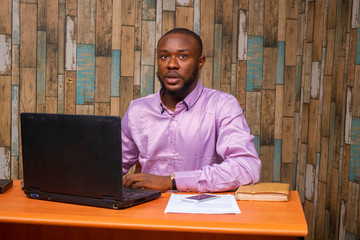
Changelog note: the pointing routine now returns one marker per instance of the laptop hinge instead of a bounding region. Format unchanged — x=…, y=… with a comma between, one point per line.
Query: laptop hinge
x=108, y=197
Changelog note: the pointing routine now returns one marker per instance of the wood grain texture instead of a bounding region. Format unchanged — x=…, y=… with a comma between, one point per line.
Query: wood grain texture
x=288, y=137
x=252, y=111
x=266, y=156
x=256, y=17
x=127, y=41
x=207, y=26
x=184, y=17
x=271, y=23
x=27, y=90
x=5, y=109
x=5, y=17
x=5, y=55
x=102, y=80
x=291, y=39
x=86, y=21
x=52, y=26
x=103, y=35
x=28, y=35
x=319, y=28
x=241, y=83
x=267, y=127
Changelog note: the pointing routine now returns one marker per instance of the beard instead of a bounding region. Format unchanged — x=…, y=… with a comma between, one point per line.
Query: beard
x=184, y=88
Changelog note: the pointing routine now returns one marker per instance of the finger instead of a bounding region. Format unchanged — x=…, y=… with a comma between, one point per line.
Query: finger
x=137, y=185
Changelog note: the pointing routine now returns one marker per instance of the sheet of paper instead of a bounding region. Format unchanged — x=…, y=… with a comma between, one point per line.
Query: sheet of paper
x=225, y=204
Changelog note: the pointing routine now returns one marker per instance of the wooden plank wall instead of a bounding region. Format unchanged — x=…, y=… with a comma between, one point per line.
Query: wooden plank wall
x=293, y=65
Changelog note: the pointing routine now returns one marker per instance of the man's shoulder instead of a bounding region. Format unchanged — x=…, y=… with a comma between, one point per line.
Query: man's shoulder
x=147, y=101
x=218, y=96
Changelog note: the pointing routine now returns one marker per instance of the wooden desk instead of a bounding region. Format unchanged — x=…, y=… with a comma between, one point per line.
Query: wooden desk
x=23, y=218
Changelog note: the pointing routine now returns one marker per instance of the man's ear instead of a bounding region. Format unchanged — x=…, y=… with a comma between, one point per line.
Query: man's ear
x=201, y=62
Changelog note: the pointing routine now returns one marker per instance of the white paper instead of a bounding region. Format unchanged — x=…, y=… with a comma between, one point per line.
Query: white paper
x=225, y=204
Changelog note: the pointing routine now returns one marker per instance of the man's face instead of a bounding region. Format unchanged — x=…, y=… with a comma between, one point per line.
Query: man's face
x=179, y=60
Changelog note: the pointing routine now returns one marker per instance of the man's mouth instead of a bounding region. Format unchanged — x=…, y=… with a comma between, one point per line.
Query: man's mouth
x=172, y=77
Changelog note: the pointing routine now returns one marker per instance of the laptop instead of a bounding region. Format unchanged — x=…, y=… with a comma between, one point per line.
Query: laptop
x=76, y=159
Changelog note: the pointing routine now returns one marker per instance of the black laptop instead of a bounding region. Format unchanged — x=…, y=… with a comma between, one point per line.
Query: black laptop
x=76, y=159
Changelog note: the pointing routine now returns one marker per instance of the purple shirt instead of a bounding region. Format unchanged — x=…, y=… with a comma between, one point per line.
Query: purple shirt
x=205, y=141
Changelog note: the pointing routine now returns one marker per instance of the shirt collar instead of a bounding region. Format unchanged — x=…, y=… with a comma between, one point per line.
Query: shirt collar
x=190, y=99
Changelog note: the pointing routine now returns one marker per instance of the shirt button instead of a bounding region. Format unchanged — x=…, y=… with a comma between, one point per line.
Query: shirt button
x=170, y=163
x=171, y=140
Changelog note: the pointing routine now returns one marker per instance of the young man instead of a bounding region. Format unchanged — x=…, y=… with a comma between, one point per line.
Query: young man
x=186, y=136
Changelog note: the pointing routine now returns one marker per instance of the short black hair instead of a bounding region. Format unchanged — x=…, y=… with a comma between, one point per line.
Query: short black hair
x=186, y=32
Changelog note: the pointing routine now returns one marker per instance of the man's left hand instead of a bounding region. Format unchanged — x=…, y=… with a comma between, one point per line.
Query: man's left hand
x=146, y=180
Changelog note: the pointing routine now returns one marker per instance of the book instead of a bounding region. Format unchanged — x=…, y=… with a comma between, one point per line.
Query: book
x=263, y=192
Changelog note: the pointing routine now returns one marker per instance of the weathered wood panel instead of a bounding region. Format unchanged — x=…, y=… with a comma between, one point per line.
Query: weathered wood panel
x=86, y=21
x=127, y=46
x=254, y=72
x=28, y=35
x=102, y=79
x=5, y=54
x=5, y=17
x=267, y=118
x=5, y=109
x=85, y=74
x=103, y=28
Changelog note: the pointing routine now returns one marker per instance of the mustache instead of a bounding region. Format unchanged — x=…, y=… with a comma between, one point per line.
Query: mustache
x=173, y=74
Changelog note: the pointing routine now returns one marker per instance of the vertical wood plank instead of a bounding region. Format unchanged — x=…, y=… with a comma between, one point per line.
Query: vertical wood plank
x=126, y=93
x=277, y=160
x=27, y=90
x=116, y=25
x=51, y=70
x=61, y=94
x=320, y=215
x=147, y=80
x=315, y=80
x=291, y=39
x=5, y=161
x=51, y=105
x=148, y=43
x=266, y=156
x=243, y=35
x=148, y=10
x=102, y=109
x=70, y=44
x=271, y=23
x=70, y=92
x=227, y=16
x=282, y=20
x=115, y=72
x=52, y=18
x=254, y=64
x=71, y=7
x=345, y=172
x=41, y=72
x=168, y=22
x=356, y=92
x=115, y=106
x=127, y=66
x=329, y=56
x=289, y=91
x=288, y=138
x=325, y=119
x=278, y=111
x=103, y=28
x=5, y=109
x=206, y=74
x=207, y=26
x=252, y=110
x=5, y=54
x=85, y=74
x=15, y=61
x=102, y=79
x=292, y=9
x=352, y=208
x=269, y=68
x=280, y=62
x=86, y=21
x=256, y=17
x=217, y=56
x=319, y=28
x=267, y=119
x=5, y=17
x=308, y=211
x=241, y=83
x=184, y=17
x=310, y=22
x=85, y=109
x=225, y=64
x=128, y=13
x=324, y=155
x=169, y=5
x=61, y=37
x=41, y=18
x=354, y=174
x=28, y=35
x=313, y=131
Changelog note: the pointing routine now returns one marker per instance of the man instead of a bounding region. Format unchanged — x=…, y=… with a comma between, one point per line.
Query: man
x=186, y=136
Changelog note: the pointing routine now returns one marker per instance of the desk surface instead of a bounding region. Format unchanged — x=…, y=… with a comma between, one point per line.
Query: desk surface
x=256, y=218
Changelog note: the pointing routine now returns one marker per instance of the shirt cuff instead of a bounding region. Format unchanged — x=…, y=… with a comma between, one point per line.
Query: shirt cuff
x=186, y=181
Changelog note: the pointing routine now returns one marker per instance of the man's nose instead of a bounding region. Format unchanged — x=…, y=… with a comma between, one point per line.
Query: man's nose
x=173, y=63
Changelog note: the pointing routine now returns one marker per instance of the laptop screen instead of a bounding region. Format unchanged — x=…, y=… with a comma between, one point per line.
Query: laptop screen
x=72, y=154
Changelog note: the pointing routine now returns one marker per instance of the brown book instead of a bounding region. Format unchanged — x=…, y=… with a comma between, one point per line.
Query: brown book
x=263, y=192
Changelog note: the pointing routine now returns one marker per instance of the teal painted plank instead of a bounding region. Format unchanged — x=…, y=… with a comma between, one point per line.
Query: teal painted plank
x=256, y=142
x=115, y=72
x=147, y=80
x=255, y=64
x=354, y=174
x=277, y=160
x=358, y=47
x=280, y=63
x=85, y=74
x=41, y=68
x=350, y=236
x=14, y=121
x=217, y=56
x=15, y=22
x=149, y=10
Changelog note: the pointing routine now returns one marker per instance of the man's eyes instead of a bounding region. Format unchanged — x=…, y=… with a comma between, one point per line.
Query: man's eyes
x=164, y=56
x=183, y=56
